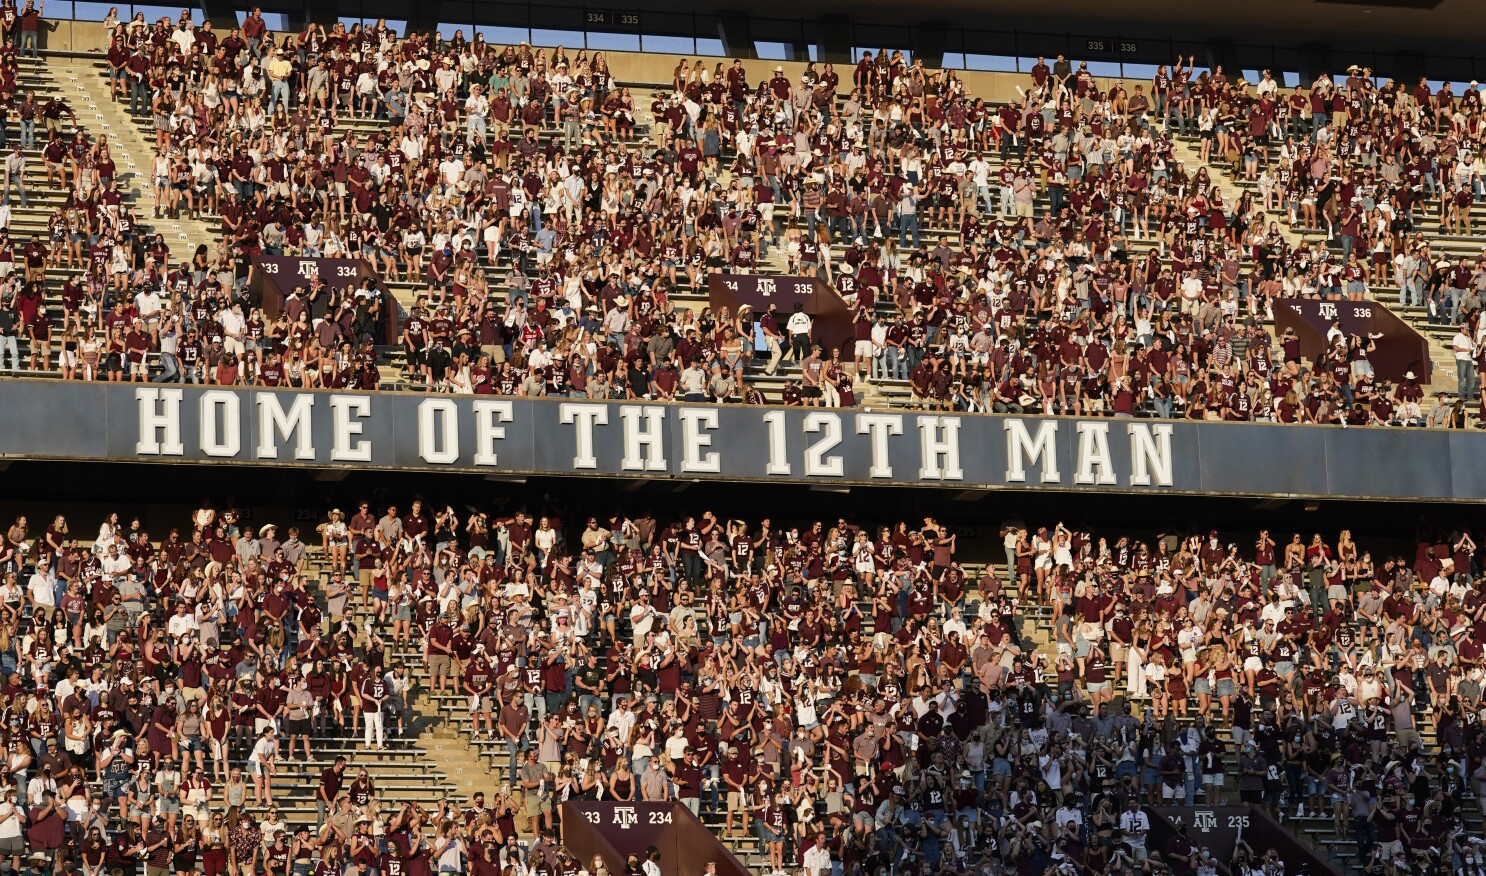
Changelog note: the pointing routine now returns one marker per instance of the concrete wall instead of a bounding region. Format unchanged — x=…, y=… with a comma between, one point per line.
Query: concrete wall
x=630, y=67
x=74, y=36
x=660, y=69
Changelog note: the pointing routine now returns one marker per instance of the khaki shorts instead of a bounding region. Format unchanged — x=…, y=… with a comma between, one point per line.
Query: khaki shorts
x=439, y=663
x=1023, y=210
x=534, y=804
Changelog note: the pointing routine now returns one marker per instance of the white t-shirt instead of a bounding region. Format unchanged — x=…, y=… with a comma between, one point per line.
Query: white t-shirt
x=10, y=828
x=264, y=752
x=231, y=321
x=179, y=625
x=1134, y=825
x=817, y=860
x=42, y=590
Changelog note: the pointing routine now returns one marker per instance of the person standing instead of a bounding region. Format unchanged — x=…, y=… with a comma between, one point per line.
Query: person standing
x=1134, y=826
x=15, y=174
x=373, y=695
x=1465, y=362
x=261, y=763
x=799, y=328
x=31, y=28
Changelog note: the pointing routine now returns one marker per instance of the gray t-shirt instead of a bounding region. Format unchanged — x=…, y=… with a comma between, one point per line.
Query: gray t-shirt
x=531, y=774
x=693, y=380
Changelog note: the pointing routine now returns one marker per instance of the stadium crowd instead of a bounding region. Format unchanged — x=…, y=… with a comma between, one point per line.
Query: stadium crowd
x=1049, y=256
x=851, y=695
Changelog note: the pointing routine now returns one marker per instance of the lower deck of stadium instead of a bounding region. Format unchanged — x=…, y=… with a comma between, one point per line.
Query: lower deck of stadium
x=957, y=736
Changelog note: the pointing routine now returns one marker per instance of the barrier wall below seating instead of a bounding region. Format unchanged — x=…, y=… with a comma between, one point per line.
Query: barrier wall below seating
x=612, y=830
x=1219, y=828
x=77, y=421
x=1400, y=349
x=832, y=319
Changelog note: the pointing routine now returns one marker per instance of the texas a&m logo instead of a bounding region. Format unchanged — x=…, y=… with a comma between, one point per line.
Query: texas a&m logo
x=625, y=816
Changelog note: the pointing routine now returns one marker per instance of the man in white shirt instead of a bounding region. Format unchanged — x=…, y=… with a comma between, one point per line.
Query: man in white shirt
x=641, y=619
x=621, y=719
x=1266, y=85
x=147, y=301
x=184, y=37
x=1134, y=825
x=41, y=589
x=980, y=174
x=1069, y=816
x=1465, y=361
x=817, y=859
x=15, y=172
x=181, y=623
x=233, y=326
x=12, y=819
x=799, y=326
x=114, y=562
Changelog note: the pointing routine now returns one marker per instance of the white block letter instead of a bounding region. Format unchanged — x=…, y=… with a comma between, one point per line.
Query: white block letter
x=693, y=421
x=438, y=431
x=939, y=446
x=585, y=417
x=159, y=422
x=274, y=423
x=1022, y=450
x=487, y=433
x=879, y=427
x=643, y=447
x=1150, y=455
x=229, y=439
x=346, y=412
x=1095, y=464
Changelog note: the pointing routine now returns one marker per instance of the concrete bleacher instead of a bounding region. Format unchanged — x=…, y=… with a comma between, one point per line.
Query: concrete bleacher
x=410, y=769
x=445, y=717
x=1453, y=247
x=893, y=393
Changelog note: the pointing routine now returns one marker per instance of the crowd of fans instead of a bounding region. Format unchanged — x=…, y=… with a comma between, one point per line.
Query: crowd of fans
x=850, y=695
x=1050, y=255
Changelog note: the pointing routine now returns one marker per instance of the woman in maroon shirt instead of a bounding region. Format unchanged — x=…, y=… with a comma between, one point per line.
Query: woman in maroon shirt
x=226, y=372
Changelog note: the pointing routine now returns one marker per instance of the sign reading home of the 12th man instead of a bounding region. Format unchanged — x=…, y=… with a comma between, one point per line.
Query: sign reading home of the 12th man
x=49, y=420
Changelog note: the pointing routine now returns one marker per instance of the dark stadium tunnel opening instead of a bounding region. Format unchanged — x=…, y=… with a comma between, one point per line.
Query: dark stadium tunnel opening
x=163, y=495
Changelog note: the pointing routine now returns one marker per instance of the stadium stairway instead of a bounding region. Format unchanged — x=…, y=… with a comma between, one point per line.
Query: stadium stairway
x=135, y=147
x=891, y=393
x=90, y=71
x=458, y=749
x=1185, y=150
x=86, y=74
x=1314, y=828
x=441, y=759
x=1439, y=332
